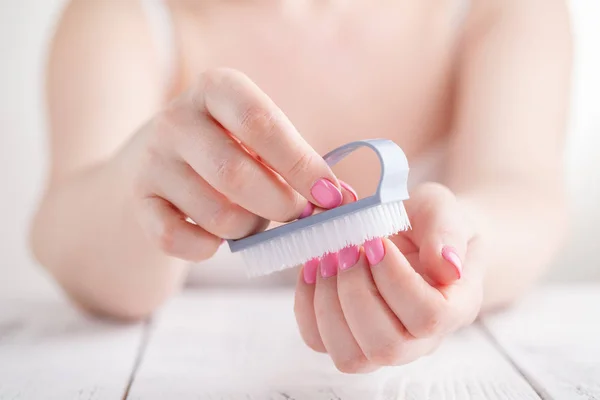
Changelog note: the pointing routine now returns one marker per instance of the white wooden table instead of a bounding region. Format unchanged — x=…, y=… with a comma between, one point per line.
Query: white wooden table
x=234, y=345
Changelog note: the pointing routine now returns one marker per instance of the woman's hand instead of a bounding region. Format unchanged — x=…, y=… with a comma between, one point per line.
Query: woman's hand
x=224, y=156
x=390, y=302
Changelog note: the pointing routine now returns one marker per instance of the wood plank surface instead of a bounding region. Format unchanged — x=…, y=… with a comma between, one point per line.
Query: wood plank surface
x=245, y=345
x=553, y=336
x=48, y=351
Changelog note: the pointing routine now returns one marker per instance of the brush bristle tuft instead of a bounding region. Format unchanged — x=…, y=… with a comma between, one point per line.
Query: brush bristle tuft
x=296, y=248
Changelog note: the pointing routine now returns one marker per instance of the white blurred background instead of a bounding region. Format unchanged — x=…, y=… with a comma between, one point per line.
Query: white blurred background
x=25, y=26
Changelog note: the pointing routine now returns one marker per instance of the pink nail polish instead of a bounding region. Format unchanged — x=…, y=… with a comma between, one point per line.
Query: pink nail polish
x=350, y=189
x=450, y=254
x=308, y=210
x=310, y=271
x=374, y=251
x=329, y=264
x=348, y=257
x=326, y=194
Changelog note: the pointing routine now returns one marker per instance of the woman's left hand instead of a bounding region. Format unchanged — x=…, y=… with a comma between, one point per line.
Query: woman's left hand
x=393, y=300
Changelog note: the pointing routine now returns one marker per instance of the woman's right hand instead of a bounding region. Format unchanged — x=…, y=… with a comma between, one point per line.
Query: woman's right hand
x=224, y=156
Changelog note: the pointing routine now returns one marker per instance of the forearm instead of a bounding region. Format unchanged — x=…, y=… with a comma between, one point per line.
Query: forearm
x=86, y=236
x=520, y=227
x=508, y=138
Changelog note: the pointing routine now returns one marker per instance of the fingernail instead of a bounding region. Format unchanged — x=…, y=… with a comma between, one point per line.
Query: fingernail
x=450, y=254
x=326, y=194
x=329, y=264
x=348, y=257
x=374, y=251
x=308, y=210
x=350, y=189
x=310, y=271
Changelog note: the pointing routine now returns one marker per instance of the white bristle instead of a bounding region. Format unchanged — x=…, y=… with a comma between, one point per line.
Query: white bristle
x=298, y=247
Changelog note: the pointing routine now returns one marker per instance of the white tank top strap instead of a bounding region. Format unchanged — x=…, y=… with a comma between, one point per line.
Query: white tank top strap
x=160, y=22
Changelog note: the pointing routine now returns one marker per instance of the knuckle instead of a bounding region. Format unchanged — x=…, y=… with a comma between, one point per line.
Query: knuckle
x=433, y=198
x=152, y=157
x=259, y=122
x=168, y=131
x=432, y=323
x=389, y=353
x=166, y=236
x=235, y=172
x=229, y=221
x=213, y=78
x=165, y=126
x=223, y=219
x=350, y=294
x=212, y=82
x=352, y=365
x=302, y=165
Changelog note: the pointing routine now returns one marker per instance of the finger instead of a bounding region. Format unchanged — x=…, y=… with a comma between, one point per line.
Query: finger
x=377, y=330
x=348, y=194
x=193, y=196
x=404, y=244
x=304, y=306
x=250, y=115
x=167, y=228
x=232, y=171
x=423, y=310
x=333, y=328
x=439, y=231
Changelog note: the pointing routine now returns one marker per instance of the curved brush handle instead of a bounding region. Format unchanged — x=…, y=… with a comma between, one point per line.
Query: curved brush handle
x=393, y=182
x=393, y=186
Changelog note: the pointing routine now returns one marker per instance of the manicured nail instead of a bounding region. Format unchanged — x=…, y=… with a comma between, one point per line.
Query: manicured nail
x=350, y=189
x=374, y=251
x=450, y=254
x=326, y=194
x=310, y=271
x=308, y=210
x=348, y=257
x=329, y=264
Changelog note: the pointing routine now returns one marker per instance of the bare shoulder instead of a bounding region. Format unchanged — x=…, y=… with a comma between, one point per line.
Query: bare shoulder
x=97, y=12
x=103, y=79
x=91, y=29
x=526, y=28
x=551, y=14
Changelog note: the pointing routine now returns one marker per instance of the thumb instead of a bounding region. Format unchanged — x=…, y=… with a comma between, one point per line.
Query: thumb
x=439, y=231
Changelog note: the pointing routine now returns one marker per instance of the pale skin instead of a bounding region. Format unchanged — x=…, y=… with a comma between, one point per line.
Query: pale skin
x=130, y=164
